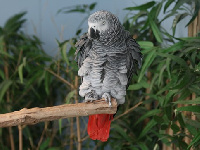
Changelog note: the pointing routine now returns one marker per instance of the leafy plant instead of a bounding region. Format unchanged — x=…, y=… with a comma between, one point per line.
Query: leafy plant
x=30, y=78
x=83, y=9
x=162, y=103
x=168, y=79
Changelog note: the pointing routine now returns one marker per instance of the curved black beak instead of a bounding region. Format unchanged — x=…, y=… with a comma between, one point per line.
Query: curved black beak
x=94, y=34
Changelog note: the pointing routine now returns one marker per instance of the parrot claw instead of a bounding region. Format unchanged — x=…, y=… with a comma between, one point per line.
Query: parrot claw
x=107, y=98
x=91, y=96
x=83, y=71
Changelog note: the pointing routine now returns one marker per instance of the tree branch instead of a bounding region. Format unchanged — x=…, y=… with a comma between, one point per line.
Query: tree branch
x=35, y=115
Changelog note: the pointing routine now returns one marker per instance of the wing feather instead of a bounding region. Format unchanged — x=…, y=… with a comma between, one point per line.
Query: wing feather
x=83, y=47
x=134, y=57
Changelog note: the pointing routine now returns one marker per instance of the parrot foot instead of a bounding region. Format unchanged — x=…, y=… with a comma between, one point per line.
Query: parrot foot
x=91, y=96
x=83, y=71
x=107, y=98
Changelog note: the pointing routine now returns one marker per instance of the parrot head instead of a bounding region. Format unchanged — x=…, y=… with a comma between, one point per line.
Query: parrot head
x=103, y=24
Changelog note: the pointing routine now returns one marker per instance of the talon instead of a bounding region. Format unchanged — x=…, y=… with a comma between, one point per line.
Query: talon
x=107, y=98
x=110, y=104
x=91, y=96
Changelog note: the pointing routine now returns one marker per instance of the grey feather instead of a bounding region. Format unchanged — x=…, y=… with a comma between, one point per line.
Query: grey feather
x=83, y=47
x=107, y=58
x=134, y=59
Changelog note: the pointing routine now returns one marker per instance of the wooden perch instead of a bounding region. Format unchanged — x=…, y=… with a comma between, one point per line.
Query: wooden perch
x=34, y=115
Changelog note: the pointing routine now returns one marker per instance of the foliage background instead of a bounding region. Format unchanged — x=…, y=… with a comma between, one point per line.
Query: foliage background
x=167, y=84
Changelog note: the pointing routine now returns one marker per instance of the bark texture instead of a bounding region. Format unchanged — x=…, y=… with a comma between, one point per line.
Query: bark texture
x=34, y=115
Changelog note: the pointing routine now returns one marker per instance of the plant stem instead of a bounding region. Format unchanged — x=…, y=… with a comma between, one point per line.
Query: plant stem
x=59, y=77
x=42, y=136
x=127, y=111
x=148, y=106
x=71, y=133
x=193, y=117
x=71, y=127
x=77, y=118
x=12, y=144
x=20, y=138
x=8, y=96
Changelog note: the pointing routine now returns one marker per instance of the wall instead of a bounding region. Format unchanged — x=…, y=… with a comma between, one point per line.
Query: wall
x=43, y=20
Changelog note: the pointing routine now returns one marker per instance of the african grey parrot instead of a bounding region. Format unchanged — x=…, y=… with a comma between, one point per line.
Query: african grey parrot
x=107, y=58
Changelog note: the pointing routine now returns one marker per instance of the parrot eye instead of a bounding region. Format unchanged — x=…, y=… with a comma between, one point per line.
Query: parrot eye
x=103, y=22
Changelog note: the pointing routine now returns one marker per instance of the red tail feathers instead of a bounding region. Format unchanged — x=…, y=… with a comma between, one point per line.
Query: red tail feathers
x=99, y=126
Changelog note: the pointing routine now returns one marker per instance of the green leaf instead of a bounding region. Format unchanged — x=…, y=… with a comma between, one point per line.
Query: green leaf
x=158, y=119
x=34, y=77
x=92, y=6
x=122, y=132
x=168, y=16
x=175, y=58
x=184, y=94
x=189, y=108
x=4, y=87
x=168, y=112
x=69, y=96
x=155, y=11
x=148, y=114
x=168, y=97
x=78, y=31
x=176, y=20
x=169, y=85
x=20, y=71
x=195, y=88
x=5, y=54
x=47, y=81
x=73, y=9
x=164, y=126
x=195, y=140
x=145, y=44
x=45, y=144
x=168, y=3
x=14, y=23
x=194, y=101
x=24, y=61
x=148, y=60
x=143, y=146
x=153, y=81
x=63, y=49
x=60, y=126
x=196, y=11
x=155, y=29
x=193, y=123
x=147, y=128
x=175, y=128
x=135, y=18
x=180, y=120
x=2, y=74
x=191, y=129
x=190, y=39
x=54, y=148
x=178, y=5
x=137, y=86
x=2, y=52
x=184, y=81
x=160, y=77
x=142, y=7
